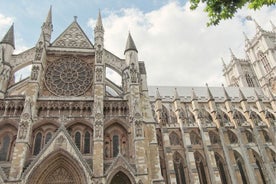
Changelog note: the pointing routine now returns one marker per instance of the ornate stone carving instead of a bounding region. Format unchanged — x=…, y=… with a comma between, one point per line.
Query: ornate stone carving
x=60, y=140
x=68, y=76
x=98, y=129
x=23, y=128
x=34, y=74
x=60, y=175
x=99, y=72
x=38, y=51
x=139, y=130
x=133, y=73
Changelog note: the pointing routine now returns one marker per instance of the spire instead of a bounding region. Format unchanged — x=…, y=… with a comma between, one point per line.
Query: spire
x=9, y=37
x=49, y=16
x=247, y=41
x=130, y=45
x=176, y=96
x=223, y=63
x=227, y=97
x=99, y=24
x=233, y=57
x=209, y=93
x=158, y=96
x=258, y=27
x=242, y=97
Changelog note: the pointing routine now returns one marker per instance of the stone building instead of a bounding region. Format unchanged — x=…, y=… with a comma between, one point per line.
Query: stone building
x=68, y=123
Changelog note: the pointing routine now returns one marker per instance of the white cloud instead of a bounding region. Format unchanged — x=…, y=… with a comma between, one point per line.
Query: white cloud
x=176, y=45
x=5, y=23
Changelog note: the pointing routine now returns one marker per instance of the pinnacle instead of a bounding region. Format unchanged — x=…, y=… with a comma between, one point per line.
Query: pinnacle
x=99, y=24
x=130, y=45
x=9, y=37
x=232, y=54
x=49, y=16
x=158, y=96
x=209, y=93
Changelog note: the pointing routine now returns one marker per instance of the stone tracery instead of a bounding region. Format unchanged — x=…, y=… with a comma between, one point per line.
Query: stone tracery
x=68, y=76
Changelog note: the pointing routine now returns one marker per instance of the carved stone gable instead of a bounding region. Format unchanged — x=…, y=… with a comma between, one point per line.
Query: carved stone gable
x=73, y=37
x=61, y=176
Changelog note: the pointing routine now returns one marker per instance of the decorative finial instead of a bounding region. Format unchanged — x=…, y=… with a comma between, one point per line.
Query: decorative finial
x=75, y=18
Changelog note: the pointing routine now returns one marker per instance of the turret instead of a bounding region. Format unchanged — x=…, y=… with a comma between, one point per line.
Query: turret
x=7, y=48
x=131, y=57
x=7, y=45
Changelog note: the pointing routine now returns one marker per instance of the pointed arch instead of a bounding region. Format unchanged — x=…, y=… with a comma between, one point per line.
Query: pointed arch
x=241, y=167
x=202, y=168
x=57, y=167
x=121, y=171
x=174, y=139
x=187, y=116
x=195, y=138
x=249, y=136
x=223, y=172
x=214, y=137
x=233, y=139
x=180, y=169
x=260, y=165
x=239, y=117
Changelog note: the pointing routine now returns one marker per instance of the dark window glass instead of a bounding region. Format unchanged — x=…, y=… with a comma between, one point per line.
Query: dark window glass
x=37, y=144
x=115, y=145
x=4, y=149
x=48, y=137
x=87, y=142
x=221, y=170
x=78, y=139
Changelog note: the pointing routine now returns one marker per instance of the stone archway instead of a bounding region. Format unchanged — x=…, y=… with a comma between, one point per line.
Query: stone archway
x=120, y=178
x=58, y=168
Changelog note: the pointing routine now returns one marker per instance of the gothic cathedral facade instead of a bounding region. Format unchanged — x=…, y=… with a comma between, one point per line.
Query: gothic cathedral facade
x=67, y=123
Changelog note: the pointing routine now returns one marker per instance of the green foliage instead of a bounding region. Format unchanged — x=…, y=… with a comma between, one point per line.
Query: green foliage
x=225, y=9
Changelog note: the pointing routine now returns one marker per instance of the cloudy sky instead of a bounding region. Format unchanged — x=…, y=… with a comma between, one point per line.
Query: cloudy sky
x=173, y=41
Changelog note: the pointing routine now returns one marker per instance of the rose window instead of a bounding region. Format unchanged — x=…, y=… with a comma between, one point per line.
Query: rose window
x=68, y=77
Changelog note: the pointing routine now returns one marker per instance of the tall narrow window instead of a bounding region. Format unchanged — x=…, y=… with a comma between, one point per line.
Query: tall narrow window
x=179, y=169
x=37, y=144
x=87, y=142
x=240, y=166
x=4, y=148
x=265, y=62
x=200, y=168
x=115, y=145
x=78, y=139
x=249, y=80
x=221, y=169
x=48, y=137
x=259, y=167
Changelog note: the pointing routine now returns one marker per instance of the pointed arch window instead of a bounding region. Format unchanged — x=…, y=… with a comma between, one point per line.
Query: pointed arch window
x=200, y=166
x=195, y=139
x=249, y=80
x=4, y=148
x=240, y=164
x=179, y=169
x=87, y=142
x=37, y=143
x=232, y=137
x=259, y=163
x=174, y=139
x=265, y=62
x=249, y=136
x=115, y=145
x=78, y=140
x=48, y=137
x=222, y=169
x=214, y=138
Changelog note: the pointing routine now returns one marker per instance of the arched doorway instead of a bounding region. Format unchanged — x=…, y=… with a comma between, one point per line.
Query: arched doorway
x=120, y=178
x=58, y=168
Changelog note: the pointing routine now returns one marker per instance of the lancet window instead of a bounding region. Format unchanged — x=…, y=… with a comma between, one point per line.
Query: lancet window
x=232, y=137
x=265, y=62
x=174, y=139
x=201, y=168
x=222, y=168
x=249, y=80
x=5, y=145
x=195, y=138
x=259, y=164
x=214, y=138
x=179, y=169
x=240, y=164
x=37, y=143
